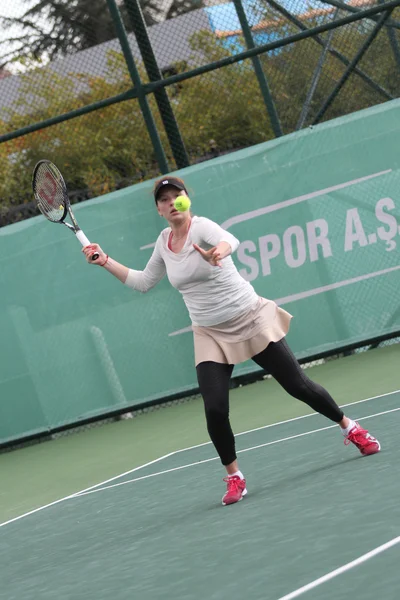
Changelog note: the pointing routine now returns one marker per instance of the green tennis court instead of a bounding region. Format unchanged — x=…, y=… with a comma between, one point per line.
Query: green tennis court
x=320, y=521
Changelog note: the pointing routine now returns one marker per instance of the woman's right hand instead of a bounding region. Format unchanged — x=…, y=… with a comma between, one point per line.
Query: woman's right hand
x=90, y=250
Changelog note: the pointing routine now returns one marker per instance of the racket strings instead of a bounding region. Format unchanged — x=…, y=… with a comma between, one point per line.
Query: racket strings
x=49, y=193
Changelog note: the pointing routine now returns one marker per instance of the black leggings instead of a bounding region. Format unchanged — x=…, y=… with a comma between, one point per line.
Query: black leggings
x=281, y=363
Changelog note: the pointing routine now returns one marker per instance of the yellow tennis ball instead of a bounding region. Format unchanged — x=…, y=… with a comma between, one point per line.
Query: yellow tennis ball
x=182, y=203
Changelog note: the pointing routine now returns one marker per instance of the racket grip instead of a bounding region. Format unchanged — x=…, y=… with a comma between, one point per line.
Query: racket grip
x=85, y=242
x=82, y=238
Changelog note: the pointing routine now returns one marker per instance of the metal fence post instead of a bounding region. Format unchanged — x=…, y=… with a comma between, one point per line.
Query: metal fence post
x=352, y=9
x=395, y=45
x=148, y=88
x=332, y=51
x=154, y=73
x=316, y=77
x=384, y=17
x=262, y=80
x=393, y=42
x=134, y=74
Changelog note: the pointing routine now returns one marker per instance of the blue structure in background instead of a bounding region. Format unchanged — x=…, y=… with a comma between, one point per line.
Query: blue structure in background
x=223, y=18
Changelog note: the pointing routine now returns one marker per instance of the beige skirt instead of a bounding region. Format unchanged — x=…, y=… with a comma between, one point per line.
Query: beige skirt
x=238, y=339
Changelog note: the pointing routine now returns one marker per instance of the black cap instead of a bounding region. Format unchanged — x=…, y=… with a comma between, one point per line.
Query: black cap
x=168, y=181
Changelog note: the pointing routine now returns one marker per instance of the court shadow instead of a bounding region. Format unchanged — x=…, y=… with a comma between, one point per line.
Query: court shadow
x=291, y=481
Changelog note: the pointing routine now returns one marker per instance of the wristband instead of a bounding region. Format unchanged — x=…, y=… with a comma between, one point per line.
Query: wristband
x=105, y=262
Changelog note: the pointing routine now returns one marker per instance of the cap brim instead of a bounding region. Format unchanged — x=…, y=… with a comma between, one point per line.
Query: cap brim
x=168, y=181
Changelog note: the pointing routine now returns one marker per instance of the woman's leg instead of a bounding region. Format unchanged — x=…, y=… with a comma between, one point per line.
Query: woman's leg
x=280, y=362
x=213, y=381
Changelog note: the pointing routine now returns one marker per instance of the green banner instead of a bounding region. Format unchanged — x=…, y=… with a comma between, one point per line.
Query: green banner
x=317, y=214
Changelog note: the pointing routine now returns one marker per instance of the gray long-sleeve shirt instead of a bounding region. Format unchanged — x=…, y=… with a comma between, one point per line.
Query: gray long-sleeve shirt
x=212, y=295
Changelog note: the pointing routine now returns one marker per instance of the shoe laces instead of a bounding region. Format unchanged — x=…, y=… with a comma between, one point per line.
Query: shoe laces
x=356, y=435
x=232, y=483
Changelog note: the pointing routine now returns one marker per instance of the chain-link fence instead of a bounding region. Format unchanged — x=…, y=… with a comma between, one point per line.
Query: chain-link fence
x=113, y=101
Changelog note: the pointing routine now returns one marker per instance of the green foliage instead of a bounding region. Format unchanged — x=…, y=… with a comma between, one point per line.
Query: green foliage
x=95, y=151
x=223, y=108
x=220, y=110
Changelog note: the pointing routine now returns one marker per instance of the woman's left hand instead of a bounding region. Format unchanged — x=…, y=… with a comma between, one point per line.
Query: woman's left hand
x=212, y=255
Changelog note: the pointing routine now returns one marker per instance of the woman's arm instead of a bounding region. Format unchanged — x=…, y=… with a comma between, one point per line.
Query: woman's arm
x=117, y=269
x=141, y=281
x=211, y=233
x=221, y=241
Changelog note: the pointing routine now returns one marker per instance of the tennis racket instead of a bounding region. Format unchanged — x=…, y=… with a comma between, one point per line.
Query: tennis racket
x=52, y=199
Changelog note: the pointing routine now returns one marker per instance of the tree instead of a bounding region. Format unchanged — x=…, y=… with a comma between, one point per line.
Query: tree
x=218, y=111
x=180, y=7
x=54, y=28
x=51, y=28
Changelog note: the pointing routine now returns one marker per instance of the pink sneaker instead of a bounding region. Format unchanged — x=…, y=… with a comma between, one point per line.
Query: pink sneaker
x=236, y=489
x=363, y=440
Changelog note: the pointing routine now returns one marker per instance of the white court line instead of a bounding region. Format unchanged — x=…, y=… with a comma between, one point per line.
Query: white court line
x=313, y=414
x=343, y=569
x=298, y=199
x=207, y=460
x=31, y=512
x=285, y=203
x=148, y=464
x=313, y=292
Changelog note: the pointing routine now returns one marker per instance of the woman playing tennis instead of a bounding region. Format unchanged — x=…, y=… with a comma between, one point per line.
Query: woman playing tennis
x=230, y=322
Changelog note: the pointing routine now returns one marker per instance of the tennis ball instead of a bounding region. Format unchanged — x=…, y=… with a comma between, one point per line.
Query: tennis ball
x=182, y=203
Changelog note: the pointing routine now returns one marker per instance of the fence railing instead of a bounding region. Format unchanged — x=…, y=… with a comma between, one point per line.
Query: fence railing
x=216, y=79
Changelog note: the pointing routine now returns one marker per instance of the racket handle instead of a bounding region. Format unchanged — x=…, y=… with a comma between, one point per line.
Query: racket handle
x=82, y=238
x=85, y=242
